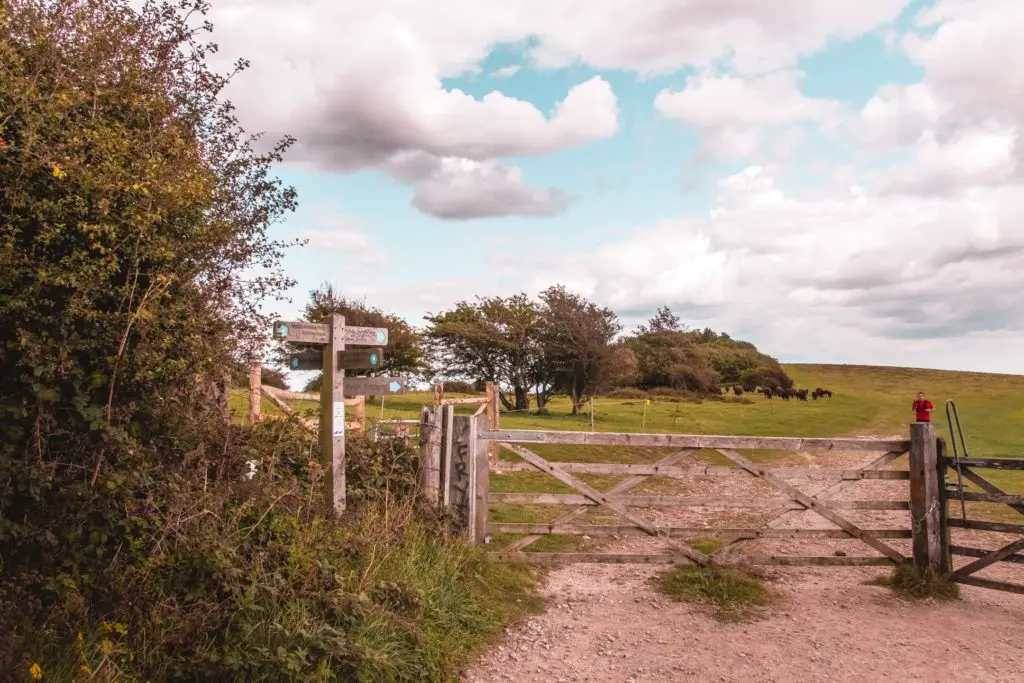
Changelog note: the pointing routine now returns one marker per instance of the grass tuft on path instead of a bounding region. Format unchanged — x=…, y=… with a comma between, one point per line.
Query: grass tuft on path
x=907, y=583
x=732, y=596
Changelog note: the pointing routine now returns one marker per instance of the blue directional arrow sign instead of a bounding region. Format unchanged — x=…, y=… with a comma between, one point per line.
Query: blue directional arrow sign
x=373, y=386
x=298, y=331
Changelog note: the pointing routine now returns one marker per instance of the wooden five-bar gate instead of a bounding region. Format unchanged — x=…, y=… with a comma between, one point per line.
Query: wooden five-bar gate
x=457, y=473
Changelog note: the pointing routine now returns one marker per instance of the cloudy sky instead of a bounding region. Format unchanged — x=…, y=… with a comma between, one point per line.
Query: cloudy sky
x=834, y=181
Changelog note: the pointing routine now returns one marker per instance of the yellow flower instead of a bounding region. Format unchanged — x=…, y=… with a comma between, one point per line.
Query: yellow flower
x=80, y=639
x=58, y=172
x=36, y=672
x=85, y=669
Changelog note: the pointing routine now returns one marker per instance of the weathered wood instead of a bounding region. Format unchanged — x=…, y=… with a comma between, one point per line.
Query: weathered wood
x=599, y=497
x=255, y=382
x=332, y=416
x=990, y=559
x=815, y=505
x=366, y=336
x=467, y=400
x=926, y=511
x=688, y=501
x=461, y=485
x=430, y=455
x=705, y=470
x=287, y=410
x=618, y=489
x=987, y=486
x=1004, y=498
x=374, y=386
x=783, y=443
x=294, y=395
x=968, y=551
x=663, y=558
x=302, y=332
x=447, y=414
x=481, y=476
x=360, y=359
x=944, y=539
x=991, y=463
x=828, y=493
x=493, y=448
x=360, y=413
x=986, y=526
x=438, y=394
x=989, y=583
x=608, y=530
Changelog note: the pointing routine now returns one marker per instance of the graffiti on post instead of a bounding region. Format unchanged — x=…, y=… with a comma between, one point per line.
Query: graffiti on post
x=460, y=489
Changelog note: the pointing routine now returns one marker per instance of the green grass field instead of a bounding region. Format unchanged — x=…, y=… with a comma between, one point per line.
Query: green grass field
x=867, y=401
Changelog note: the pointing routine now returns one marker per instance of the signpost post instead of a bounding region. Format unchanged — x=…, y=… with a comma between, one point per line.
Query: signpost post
x=334, y=359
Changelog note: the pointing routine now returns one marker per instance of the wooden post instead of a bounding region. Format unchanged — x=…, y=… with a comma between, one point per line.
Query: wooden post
x=360, y=411
x=461, y=486
x=945, y=552
x=926, y=514
x=430, y=454
x=255, y=381
x=492, y=421
x=481, y=455
x=447, y=436
x=332, y=415
x=438, y=394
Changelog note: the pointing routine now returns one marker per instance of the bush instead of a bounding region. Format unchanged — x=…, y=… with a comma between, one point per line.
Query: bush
x=908, y=583
x=249, y=580
x=454, y=386
x=626, y=393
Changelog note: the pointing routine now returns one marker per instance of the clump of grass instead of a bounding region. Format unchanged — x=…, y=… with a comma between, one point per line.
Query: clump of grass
x=705, y=545
x=908, y=583
x=732, y=596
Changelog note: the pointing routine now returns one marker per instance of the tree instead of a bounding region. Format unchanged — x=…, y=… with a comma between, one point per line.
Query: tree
x=403, y=355
x=134, y=255
x=493, y=339
x=673, y=359
x=576, y=339
x=663, y=321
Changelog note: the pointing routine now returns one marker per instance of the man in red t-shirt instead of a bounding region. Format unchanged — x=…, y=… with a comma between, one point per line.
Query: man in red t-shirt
x=923, y=408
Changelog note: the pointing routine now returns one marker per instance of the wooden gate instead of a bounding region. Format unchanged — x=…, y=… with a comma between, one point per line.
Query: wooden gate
x=955, y=502
x=464, y=487
x=617, y=499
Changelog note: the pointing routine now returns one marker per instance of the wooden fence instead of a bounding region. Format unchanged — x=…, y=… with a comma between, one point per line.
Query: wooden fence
x=463, y=484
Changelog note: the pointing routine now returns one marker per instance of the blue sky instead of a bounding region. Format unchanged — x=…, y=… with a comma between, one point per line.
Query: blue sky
x=767, y=172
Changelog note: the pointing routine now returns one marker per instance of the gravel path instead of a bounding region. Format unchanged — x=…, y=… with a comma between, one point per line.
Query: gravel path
x=607, y=623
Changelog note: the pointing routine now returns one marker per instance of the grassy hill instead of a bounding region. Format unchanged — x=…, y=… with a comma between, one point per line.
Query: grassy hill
x=867, y=400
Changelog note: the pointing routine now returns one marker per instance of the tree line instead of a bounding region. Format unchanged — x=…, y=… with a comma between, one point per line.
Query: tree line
x=557, y=343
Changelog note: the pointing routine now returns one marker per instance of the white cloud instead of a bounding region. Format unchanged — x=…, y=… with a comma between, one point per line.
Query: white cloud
x=506, y=71
x=337, y=232
x=455, y=188
x=861, y=266
x=736, y=114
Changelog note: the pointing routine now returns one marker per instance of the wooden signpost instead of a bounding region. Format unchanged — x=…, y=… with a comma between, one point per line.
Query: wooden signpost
x=334, y=359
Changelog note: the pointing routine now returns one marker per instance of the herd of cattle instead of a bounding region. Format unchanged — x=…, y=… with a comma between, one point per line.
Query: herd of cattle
x=784, y=394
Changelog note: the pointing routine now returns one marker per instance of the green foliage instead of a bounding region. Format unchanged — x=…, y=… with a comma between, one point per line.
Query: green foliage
x=732, y=596
x=907, y=582
x=495, y=339
x=403, y=356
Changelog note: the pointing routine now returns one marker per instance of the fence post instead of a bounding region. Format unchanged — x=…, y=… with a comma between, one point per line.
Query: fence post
x=360, y=410
x=482, y=457
x=255, y=381
x=945, y=553
x=438, y=394
x=447, y=436
x=461, y=485
x=492, y=420
x=430, y=454
x=927, y=515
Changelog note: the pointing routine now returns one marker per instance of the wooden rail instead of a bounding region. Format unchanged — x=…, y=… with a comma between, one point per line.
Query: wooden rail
x=704, y=470
x=782, y=443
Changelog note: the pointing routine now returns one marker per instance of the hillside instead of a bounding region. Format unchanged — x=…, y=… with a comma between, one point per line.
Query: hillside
x=867, y=400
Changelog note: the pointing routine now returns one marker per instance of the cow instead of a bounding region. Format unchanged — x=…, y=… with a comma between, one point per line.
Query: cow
x=802, y=394
x=737, y=390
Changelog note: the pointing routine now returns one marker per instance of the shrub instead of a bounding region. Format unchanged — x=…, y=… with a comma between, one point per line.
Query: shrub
x=908, y=583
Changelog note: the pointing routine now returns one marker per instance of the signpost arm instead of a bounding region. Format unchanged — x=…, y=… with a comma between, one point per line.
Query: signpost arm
x=332, y=415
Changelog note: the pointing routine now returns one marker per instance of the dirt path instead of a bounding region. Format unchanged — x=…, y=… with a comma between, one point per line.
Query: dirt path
x=607, y=623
